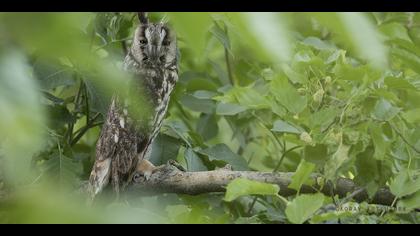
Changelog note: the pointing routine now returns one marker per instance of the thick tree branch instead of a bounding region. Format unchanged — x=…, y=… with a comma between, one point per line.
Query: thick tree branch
x=169, y=179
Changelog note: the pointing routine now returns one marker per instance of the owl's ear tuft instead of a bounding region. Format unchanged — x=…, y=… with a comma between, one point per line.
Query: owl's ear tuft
x=143, y=17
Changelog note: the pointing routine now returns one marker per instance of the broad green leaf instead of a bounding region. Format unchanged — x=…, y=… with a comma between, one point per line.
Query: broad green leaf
x=59, y=116
x=194, y=162
x=411, y=202
x=204, y=94
x=304, y=207
x=317, y=154
x=357, y=32
x=198, y=105
x=398, y=83
x=408, y=58
x=99, y=99
x=329, y=216
x=22, y=116
x=221, y=152
x=323, y=118
x=248, y=97
x=335, y=162
x=271, y=32
x=229, y=109
x=318, y=43
x=62, y=170
x=287, y=95
x=301, y=175
x=193, y=33
x=349, y=72
x=207, y=126
x=164, y=148
x=404, y=184
x=201, y=84
x=379, y=141
x=395, y=30
x=243, y=187
x=284, y=127
x=384, y=110
x=221, y=35
x=412, y=116
x=51, y=75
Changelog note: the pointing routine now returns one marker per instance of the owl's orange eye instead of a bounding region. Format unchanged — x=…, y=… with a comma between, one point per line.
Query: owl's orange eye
x=143, y=41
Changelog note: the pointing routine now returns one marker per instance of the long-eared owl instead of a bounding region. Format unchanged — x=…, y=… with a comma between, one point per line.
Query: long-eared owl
x=125, y=140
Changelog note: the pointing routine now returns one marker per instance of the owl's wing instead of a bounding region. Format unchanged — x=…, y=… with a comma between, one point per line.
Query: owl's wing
x=101, y=171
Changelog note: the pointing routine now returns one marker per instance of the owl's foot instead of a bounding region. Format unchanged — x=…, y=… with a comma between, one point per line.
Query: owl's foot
x=144, y=169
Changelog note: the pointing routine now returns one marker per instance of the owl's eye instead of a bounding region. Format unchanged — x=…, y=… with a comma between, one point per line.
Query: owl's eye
x=143, y=41
x=162, y=58
x=165, y=43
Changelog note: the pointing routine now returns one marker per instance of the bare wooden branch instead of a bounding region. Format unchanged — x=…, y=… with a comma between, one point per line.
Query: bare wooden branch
x=169, y=179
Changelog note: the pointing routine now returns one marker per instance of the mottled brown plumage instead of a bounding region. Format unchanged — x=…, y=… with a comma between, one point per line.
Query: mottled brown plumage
x=125, y=138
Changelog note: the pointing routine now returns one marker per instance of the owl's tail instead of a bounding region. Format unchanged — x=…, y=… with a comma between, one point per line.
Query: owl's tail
x=99, y=177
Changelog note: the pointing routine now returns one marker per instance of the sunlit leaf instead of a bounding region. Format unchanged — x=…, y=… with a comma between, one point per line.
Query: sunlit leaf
x=303, y=207
x=404, y=184
x=243, y=187
x=301, y=175
x=221, y=152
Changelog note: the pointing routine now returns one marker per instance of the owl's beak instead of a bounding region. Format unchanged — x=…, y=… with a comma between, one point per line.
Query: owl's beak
x=153, y=52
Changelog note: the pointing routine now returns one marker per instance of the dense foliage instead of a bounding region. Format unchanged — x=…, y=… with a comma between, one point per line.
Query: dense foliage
x=330, y=93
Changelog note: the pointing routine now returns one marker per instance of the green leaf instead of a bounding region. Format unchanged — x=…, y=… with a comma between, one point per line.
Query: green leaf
x=243, y=187
x=349, y=72
x=287, y=95
x=301, y=175
x=335, y=162
x=329, y=216
x=194, y=162
x=412, y=116
x=323, y=118
x=358, y=33
x=198, y=105
x=23, y=119
x=221, y=152
x=221, y=35
x=317, y=154
x=99, y=100
x=51, y=75
x=164, y=148
x=304, y=207
x=201, y=84
x=59, y=116
x=62, y=170
x=403, y=184
x=408, y=58
x=193, y=33
x=384, y=110
x=270, y=30
x=207, y=126
x=229, y=109
x=395, y=30
x=248, y=97
x=284, y=127
x=379, y=140
x=398, y=83
x=411, y=202
x=317, y=43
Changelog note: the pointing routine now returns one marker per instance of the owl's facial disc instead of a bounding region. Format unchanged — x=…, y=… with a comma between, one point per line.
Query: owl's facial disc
x=155, y=44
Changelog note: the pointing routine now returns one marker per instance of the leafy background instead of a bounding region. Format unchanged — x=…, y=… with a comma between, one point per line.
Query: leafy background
x=329, y=93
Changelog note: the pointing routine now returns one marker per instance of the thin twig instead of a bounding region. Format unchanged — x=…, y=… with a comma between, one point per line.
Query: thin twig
x=228, y=61
x=403, y=138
